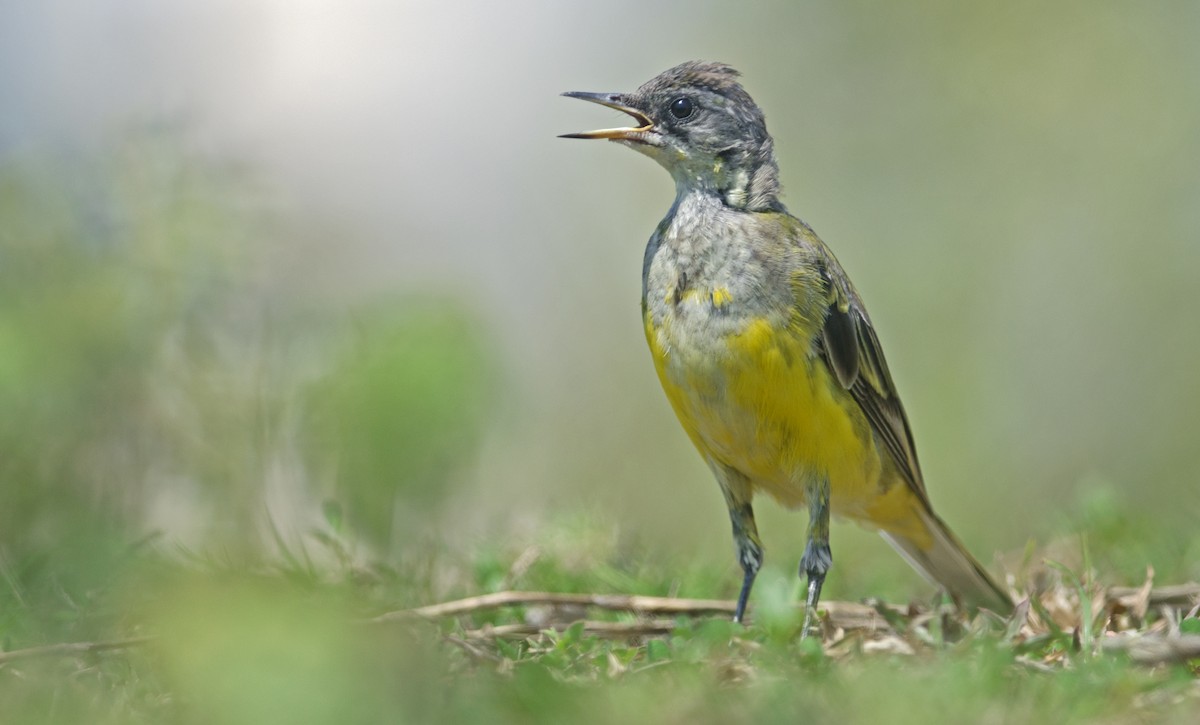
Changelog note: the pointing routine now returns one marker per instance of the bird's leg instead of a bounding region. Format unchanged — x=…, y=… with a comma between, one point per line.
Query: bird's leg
x=817, y=558
x=749, y=549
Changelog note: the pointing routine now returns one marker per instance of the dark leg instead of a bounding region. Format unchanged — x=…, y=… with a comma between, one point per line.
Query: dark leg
x=749, y=551
x=744, y=596
x=817, y=559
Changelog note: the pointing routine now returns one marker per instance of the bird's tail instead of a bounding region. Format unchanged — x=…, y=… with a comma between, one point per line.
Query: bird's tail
x=945, y=562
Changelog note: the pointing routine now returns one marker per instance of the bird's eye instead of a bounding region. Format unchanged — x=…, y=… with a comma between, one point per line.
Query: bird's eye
x=681, y=108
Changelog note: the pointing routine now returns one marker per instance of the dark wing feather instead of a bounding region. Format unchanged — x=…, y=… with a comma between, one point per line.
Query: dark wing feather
x=851, y=350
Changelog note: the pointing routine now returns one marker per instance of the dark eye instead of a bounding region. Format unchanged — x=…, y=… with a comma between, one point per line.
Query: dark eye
x=681, y=108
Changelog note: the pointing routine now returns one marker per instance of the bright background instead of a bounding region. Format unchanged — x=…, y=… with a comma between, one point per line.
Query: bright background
x=262, y=262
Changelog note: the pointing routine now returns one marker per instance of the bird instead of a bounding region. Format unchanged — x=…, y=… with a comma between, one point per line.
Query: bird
x=764, y=348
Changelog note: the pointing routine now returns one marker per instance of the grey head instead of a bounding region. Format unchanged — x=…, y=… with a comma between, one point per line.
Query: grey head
x=700, y=124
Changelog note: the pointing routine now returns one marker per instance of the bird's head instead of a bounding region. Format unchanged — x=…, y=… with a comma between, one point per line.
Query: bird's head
x=700, y=124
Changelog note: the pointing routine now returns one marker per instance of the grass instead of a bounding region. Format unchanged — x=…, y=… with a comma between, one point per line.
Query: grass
x=287, y=640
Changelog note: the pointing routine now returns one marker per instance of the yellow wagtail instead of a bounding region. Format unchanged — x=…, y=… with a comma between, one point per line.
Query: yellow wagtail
x=763, y=346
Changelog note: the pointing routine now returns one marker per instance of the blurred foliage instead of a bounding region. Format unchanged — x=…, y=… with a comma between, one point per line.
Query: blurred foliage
x=158, y=378
x=399, y=413
x=251, y=651
x=112, y=271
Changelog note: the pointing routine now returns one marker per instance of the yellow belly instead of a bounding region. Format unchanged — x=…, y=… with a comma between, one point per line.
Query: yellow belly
x=758, y=403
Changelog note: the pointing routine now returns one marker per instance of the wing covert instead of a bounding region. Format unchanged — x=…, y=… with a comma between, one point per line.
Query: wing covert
x=851, y=350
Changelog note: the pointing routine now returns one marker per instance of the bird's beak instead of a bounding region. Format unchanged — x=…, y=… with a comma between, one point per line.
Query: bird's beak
x=617, y=101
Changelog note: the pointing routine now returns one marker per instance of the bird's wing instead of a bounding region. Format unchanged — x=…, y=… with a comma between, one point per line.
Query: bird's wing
x=850, y=348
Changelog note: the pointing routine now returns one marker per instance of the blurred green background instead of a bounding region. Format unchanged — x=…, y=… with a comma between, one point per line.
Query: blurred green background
x=285, y=271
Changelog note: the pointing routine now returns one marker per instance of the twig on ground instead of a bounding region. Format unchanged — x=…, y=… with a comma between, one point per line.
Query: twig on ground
x=1180, y=595
x=846, y=615
x=613, y=630
x=71, y=648
x=612, y=602
x=1030, y=663
x=1153, y=649
x=473, y=650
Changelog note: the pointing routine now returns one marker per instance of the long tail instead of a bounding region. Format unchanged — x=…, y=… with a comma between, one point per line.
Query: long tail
x=948, y=564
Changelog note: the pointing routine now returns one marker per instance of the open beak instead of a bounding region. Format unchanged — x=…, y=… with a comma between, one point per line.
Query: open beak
x=638, y=133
